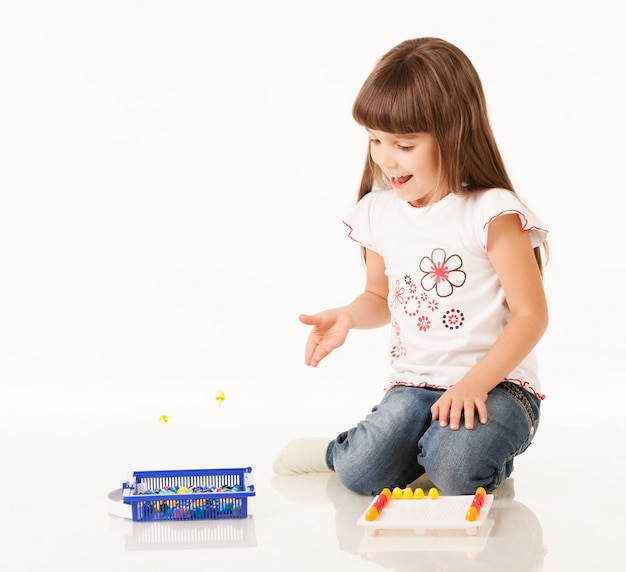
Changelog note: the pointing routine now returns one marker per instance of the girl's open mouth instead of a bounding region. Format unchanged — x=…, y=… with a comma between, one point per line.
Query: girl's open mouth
x=400, y=181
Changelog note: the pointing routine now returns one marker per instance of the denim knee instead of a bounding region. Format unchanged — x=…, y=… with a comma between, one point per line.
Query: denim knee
x=381, y=450
x=458, y=462
x=460, y=470
x=368, y=470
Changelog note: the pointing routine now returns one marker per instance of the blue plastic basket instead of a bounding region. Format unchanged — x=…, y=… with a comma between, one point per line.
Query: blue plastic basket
x=196, y=494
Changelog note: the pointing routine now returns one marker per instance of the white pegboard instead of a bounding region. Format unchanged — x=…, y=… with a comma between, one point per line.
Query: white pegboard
x=421, y=515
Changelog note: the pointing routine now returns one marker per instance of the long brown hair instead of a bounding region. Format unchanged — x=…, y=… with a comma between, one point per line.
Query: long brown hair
x=429, y=85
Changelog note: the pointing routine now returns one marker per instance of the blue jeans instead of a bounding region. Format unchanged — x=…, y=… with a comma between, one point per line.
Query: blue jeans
x=398, y=442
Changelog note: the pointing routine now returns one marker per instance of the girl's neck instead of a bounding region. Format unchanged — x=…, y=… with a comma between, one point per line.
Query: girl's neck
x=428, y=200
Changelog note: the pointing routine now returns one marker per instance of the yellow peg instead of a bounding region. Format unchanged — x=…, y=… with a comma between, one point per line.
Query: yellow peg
x=219, y=397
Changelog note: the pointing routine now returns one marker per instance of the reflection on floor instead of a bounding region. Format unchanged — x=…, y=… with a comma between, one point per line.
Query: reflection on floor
x=512, y=542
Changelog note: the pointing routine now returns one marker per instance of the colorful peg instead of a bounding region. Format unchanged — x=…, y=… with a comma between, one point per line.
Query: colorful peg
x=380, y=502
x=477, y=504
x=371, y=514
x=219, y=397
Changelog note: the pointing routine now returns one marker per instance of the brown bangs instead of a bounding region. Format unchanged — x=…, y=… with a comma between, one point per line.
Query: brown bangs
x=391, y=101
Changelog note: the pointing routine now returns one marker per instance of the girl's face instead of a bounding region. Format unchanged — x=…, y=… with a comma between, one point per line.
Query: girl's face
x=410, y=162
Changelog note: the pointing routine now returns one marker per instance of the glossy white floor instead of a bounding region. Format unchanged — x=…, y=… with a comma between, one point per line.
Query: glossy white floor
x=63, y=453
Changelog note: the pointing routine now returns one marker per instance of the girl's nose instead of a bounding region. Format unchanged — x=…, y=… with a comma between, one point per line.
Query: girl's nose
x=387, y=157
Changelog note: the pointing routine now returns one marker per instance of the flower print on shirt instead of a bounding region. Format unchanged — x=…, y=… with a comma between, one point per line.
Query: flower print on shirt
x=442, y=272
x=424, y=306
x=398, y=350
x=453, y=319
x=412, y=305
x=423, y=323
x=397, y=294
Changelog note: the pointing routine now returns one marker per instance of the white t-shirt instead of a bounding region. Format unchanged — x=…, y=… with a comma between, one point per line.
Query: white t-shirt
x=447, y=304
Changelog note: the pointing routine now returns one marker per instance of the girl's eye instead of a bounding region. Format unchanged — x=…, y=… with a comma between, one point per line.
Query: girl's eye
x=405, y=147
x=372, y=141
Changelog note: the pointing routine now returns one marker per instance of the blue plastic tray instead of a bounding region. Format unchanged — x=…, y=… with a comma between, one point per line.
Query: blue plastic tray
x=195, y=494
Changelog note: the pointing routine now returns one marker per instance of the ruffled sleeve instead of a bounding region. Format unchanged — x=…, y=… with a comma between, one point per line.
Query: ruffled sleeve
x=499, y=202
x=359, y=222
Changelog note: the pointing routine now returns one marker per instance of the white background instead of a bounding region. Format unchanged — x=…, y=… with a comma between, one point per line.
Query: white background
x=173, y=176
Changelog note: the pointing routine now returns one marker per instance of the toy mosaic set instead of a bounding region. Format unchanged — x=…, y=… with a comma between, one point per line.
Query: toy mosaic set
x=416, y=511
x=198, y=494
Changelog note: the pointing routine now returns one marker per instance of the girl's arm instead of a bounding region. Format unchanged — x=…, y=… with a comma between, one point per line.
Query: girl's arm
x=367, y=310
x=510, y=251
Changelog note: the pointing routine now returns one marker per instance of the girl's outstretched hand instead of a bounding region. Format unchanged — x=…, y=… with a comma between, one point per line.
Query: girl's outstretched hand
x=330, y=329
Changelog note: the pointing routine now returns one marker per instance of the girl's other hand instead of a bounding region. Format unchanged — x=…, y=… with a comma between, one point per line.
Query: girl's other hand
x=461, y=400
x=330, y=329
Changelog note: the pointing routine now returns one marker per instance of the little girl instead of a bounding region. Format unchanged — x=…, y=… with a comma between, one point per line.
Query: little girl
x=453, y=260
